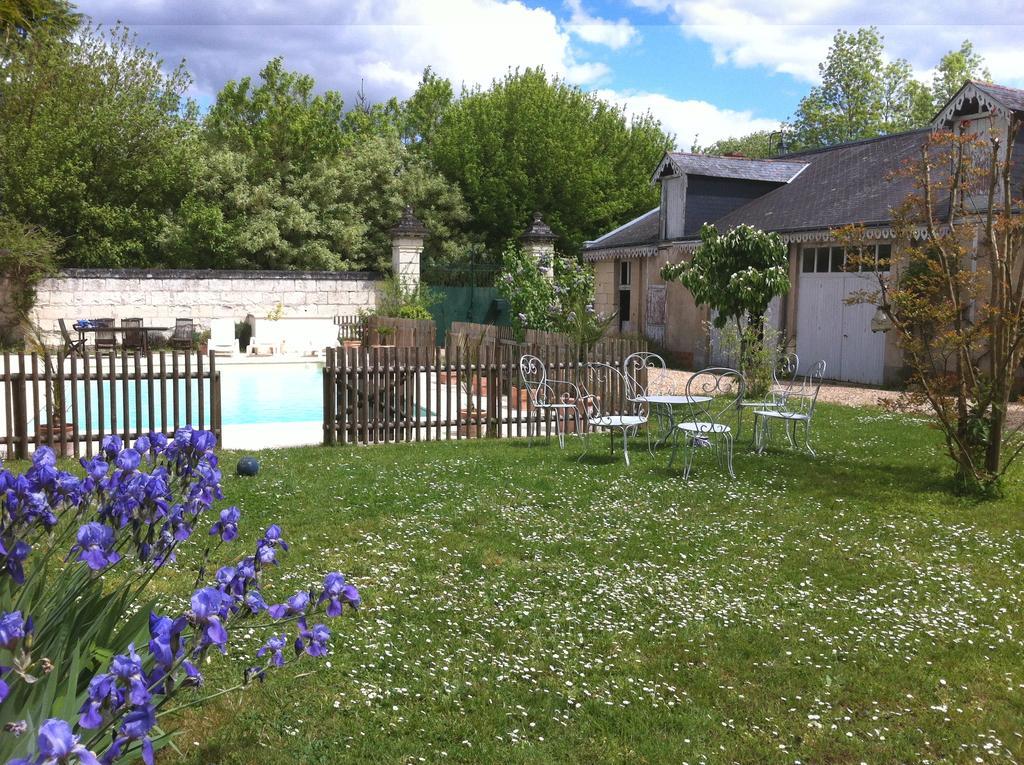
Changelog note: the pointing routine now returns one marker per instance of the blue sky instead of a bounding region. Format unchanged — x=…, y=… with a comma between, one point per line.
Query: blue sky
x=707, y=68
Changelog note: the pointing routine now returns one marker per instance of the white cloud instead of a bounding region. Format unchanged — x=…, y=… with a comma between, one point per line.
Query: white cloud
x=346, y=43
x=692, y=121
x=614, y=34
x=792, y=37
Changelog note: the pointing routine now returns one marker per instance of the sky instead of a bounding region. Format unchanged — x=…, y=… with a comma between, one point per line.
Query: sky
x=708, y=69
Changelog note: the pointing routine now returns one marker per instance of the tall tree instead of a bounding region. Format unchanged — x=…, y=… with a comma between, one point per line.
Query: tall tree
x=290, y=181
x=20, y=19
x=954, y=69
x=533, y=143
x=757, y=145
x=95, y=144
x=424, y=111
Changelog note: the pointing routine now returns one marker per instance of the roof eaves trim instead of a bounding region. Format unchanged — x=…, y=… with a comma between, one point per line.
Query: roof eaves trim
x=621, y=253
x=969, y=92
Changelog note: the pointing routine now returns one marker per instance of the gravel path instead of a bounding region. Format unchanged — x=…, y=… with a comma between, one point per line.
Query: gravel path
x=674, y=381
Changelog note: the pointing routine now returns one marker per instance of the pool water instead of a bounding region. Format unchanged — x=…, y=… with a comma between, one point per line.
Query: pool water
x=251, y=394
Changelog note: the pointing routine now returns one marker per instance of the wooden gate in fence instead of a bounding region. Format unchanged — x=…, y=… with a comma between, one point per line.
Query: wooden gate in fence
x=71, y=402
x=403, y=394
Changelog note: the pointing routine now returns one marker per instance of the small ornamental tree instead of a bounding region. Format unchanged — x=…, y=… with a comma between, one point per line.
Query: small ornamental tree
x=563, y=304
x=737, y=275
x=955, y=297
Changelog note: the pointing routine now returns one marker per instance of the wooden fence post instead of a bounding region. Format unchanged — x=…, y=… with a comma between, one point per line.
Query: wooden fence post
x=19, y=408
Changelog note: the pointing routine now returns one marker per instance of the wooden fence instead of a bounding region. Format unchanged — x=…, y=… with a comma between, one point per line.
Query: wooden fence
x=404, y=394
x=349, y=327
x=400, y=333
x=71, y=402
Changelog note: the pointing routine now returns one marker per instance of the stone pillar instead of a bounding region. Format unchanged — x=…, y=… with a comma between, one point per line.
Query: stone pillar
x=407, y=237
x=539, y=241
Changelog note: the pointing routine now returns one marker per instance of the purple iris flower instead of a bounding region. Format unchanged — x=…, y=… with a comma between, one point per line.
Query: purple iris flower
x=296, y=605
x=255, y=602
x=208, y=608
x=337, y=593
x=274, y=645
x=192, y=676
x=12, y=629
x=57, y=746
x=157, y=442
x=5, y=689
x=111, y=445
x=136, y=726
x=227, y=526
x=312, y=641
x=142, y=444
x=165, y=638
x=103, y=694
x=129, y=459
x=95, y=545
x=128, y=669
x=15, y=560
x=266, y=547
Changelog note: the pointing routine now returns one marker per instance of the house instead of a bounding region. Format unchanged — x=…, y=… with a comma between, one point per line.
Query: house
x=803, y=197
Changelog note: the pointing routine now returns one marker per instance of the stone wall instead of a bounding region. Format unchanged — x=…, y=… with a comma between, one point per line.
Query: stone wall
x=158, y=297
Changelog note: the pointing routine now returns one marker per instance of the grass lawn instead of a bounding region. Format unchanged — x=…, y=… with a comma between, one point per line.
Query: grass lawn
x=521, y=607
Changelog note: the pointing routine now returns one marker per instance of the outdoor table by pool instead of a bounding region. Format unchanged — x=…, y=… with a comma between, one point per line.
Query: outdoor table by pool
x=667, y=403
x=82, y=330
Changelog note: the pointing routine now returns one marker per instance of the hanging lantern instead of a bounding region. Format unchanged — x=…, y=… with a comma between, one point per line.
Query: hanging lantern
x=880, y=322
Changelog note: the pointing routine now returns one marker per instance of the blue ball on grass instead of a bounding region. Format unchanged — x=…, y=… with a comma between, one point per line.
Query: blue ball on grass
x=248, y=466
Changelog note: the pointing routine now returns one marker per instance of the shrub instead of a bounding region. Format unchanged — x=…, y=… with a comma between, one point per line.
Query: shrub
x=89, y=665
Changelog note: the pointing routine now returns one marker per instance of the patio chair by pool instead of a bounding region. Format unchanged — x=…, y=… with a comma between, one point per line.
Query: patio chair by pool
x=104, y=339
x=545, y=399
x=181, y=339
x=714, y=394
x=797, y=410
x=132, y=336
x=632, y=413
x=71, y=345
x=222, y=337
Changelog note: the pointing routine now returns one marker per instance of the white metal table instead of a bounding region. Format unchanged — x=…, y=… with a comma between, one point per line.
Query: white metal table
x=666, y=404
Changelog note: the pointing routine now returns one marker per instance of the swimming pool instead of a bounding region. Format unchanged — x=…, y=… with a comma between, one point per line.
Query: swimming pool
x=251, y=394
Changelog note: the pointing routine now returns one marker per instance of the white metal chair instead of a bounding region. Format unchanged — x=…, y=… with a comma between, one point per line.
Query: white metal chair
x=637, y=368
x=784, y=379
x=797, y=410
x=599, y=377
x=545, y=398
x=714, y=395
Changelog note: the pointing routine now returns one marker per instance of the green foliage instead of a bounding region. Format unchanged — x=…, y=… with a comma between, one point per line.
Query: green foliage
x=398, y=301
x=757, y=145
x=756, y=354
x=863, y=95
x=28, y=254
x=736, y=274
x=424, y=111
x=287, y=183
x=95, y=144
x=22, y=20
x=564, y=303
x=533, y=143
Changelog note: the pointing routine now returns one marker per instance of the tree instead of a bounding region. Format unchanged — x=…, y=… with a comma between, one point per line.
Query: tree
x=291, y=182
x=736, y=274
x=529, y=143
x=955, y=297
x=425, y=110
x=95, y=144
x=760, y=144
x=954, y=69
x=20, y=19
x=862, y=95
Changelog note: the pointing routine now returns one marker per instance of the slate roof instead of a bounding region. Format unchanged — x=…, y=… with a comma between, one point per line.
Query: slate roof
x=850, y=183
x=774, y=170
x=645, y=229
x=1012, y=98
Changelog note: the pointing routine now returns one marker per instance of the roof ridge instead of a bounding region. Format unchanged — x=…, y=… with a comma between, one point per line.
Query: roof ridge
x=858, y=142
x=725, y=156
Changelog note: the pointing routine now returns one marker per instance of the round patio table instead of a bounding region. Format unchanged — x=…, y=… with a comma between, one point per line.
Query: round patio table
x=667, y=403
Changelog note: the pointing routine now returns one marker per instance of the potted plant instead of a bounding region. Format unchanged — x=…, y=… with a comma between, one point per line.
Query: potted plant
x=385, y=336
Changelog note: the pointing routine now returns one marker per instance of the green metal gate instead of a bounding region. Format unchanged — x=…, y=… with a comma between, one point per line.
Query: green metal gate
x=467, y=294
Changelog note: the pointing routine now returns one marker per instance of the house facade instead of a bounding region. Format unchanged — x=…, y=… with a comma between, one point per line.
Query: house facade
x=803, y=197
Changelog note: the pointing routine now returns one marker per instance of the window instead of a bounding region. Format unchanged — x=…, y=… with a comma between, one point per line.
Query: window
x=625, y=273
x=832, y=260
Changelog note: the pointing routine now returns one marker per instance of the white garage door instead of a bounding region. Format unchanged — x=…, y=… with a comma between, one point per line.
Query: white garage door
x=828, y=328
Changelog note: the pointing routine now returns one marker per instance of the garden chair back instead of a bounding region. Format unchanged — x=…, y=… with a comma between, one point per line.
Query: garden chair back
x=104, y=339
x=797, y=410
x=597, y=377
x=71, y=345
x=544, y=399
x=714, y=397
x=133, y=336
x=181, y=339
x=636, y=368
